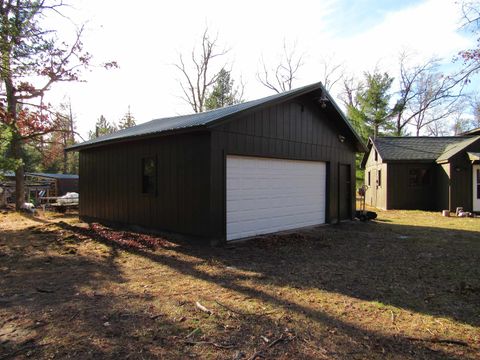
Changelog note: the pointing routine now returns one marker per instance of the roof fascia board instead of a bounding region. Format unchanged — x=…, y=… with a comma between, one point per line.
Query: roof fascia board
x=191, y=129
x=411, y=161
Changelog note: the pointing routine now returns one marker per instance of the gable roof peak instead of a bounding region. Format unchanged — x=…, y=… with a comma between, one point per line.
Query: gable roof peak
x=207, y=119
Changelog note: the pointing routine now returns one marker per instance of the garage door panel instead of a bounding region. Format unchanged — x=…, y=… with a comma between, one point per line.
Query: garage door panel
x=269, y=195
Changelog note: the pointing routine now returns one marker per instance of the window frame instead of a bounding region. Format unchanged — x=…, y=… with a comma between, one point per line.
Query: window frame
x=154, y=191
x=419, y=177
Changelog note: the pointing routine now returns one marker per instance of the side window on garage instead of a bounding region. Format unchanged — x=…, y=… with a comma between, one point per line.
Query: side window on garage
x=369, y=179
x=379, y=178
x=149, y=175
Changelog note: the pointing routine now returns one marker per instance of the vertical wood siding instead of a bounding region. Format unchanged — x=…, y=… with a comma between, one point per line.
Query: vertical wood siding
x=293, y=130
x=442, y=190
x=110, y=184
x=402, y=195
x=376, y=196
x=191, y=168
x=461, y=183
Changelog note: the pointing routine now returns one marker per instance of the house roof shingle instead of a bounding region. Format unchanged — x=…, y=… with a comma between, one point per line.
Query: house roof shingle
x=207, y=118
x=455, y=148
x=419, y=148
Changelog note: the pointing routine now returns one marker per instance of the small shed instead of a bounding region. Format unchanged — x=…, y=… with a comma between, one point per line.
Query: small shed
x=7, y=186
x=50, y=185
x=423, y=173
x=37, y=185
x=277, y=163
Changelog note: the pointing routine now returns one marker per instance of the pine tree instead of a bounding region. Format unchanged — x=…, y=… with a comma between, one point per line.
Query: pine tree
x=55, y=158
x=223, y=93
x=127, y=121
x=373, y=114
x=102, y=127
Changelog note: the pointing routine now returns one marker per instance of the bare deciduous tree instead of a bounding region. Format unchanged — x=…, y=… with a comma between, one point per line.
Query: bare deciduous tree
x=331, y=72
x=281, y=77
x=470, y=21
x=471, y=13
x=351, y=86
x=461, y=121
x=475, y=107
x=436, y=98
x=198, y=78
x=426, y=96
x=408, y=78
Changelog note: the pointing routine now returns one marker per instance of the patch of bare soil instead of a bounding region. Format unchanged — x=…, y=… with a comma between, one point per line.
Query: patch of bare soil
x=404, y=287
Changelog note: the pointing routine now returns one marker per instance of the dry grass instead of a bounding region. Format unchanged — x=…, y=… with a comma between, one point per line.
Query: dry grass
x=404, y=287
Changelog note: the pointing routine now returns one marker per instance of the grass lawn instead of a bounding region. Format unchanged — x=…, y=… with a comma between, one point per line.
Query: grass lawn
x=404, y=287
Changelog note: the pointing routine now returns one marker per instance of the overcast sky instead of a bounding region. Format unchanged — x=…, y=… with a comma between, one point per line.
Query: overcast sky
x=146, y=36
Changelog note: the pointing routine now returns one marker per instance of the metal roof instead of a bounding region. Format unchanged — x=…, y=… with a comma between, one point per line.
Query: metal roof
x=7, y=173
x=208, y=118
x=419, y=148
x=54, y=176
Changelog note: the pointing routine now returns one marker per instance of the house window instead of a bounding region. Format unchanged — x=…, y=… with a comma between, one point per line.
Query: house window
x=418, y=177
x=376, y=155
x=379, y=179
x=149, y=175
x=369, y=179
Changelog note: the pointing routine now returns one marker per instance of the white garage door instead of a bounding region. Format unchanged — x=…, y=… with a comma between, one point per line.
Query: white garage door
x=269, y=195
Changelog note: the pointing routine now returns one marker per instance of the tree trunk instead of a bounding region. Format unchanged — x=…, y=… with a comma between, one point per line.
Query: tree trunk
x=19, y=175
x=64, y=161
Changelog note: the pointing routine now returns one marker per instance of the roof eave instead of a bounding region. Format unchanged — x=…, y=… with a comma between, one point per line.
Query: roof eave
x=189, y=129
x=442, y=161
x=410, y=161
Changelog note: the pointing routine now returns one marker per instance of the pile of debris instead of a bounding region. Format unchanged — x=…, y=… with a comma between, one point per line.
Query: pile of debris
x=459, y=212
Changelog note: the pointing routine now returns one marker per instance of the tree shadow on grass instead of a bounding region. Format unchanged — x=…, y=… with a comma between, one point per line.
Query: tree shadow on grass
x=390, y=264
x=55, y=302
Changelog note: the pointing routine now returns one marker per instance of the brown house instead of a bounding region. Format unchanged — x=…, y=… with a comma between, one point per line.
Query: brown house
x=277, y=163
x=424, y=173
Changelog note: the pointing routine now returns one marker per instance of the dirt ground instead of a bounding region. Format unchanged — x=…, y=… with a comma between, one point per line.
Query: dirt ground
x=406, y=286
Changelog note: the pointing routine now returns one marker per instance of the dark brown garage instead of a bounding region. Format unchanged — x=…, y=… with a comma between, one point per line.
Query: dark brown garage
x=277, y=163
